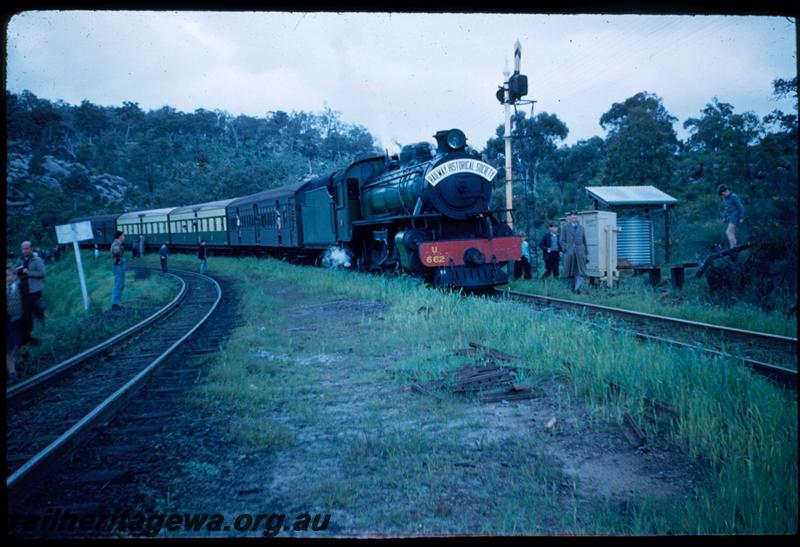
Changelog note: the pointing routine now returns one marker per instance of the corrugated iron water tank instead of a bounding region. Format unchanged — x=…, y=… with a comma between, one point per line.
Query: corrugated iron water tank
x=635, y=240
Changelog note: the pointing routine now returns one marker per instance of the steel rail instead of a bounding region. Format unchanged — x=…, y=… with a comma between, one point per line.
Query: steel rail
x=56, y=371
x=26, y=473
x=783, y=376
x=785, y=343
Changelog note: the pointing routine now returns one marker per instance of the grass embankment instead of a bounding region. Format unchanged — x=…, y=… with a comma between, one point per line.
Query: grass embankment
x=691, y=303
x=69, y=328
x=392, y=469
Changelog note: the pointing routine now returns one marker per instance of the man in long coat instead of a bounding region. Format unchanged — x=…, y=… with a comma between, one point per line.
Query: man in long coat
x=573, y=244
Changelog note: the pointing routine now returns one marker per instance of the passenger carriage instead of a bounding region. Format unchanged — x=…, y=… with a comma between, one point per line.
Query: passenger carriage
x=267, y=219
x=153, y=224
x=189, y=224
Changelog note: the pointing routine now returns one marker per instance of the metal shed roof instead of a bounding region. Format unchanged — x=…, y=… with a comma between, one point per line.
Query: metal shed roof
x=219, y=204
x=630, y=195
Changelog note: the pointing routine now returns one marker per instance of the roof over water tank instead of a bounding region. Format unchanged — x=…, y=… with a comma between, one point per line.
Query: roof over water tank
x=630, y=195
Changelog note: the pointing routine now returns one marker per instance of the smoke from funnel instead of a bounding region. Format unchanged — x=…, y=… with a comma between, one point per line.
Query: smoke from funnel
x=336, y=257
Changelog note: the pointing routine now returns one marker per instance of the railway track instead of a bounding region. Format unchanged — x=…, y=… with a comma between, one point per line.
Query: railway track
x=767, y=354
x=58, y=410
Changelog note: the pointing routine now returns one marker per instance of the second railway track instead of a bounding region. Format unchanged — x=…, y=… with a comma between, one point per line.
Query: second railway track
x=750, y=346
x=61, y=410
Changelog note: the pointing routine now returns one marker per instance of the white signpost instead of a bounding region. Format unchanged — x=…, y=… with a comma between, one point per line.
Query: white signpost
x=73, y=233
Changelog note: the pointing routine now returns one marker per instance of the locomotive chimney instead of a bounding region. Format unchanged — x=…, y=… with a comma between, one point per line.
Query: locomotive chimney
x=441, y=140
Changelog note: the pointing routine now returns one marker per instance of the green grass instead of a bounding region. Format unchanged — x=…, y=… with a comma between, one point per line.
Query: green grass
x=69, y=327
x=689, y=303
x=740, y=429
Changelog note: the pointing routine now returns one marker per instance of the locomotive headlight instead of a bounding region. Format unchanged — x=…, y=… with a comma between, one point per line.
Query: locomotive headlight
x=456, y=139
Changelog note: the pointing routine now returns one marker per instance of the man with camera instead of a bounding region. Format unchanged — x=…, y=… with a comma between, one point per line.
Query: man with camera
x=31, y=272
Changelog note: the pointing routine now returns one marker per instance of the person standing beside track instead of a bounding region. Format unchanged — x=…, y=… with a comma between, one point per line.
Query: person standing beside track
x=31, y=272
x=523, y=265
x=14, y=314
x=118, y=267
x=550, y=249
x=573, y=241
x=164, y=253
x=201, y=254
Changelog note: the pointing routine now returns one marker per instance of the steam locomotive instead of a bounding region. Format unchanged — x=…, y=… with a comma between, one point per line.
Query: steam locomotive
x=424, y=212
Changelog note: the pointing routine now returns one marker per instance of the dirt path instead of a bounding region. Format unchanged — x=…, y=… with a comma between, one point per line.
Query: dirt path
x=346, y=437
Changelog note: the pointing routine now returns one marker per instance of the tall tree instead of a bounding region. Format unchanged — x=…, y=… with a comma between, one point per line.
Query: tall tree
x=90, y=120
x=722, y=140
x=641, y=142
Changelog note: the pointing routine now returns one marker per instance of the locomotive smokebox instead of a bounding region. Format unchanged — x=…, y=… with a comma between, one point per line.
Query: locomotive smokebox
x=459, y=195
x=451, y=182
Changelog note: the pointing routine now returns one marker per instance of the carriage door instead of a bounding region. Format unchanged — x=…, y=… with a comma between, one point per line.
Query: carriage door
x=257, y=223
x=237, y=225
x=196, y=227
x=278, y=221
x=291, y=221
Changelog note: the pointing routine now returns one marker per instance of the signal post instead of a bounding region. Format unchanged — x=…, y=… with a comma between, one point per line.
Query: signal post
x=513, y=89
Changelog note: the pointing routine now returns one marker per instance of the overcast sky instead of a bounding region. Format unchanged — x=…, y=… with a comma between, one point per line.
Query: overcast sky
x=402, y=76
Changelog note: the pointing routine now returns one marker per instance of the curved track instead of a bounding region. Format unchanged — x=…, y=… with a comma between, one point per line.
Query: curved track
x=53, y=373
x=59, y=409
x=781, y=349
